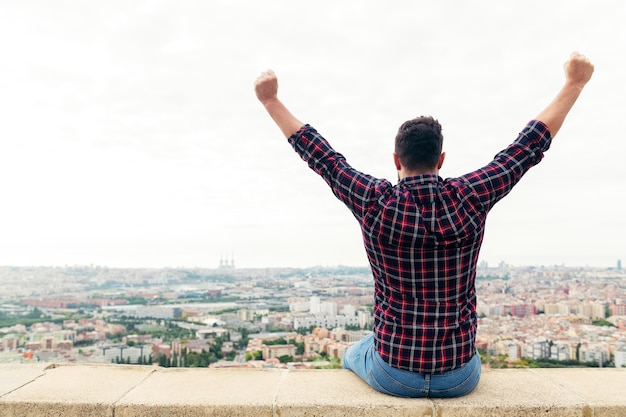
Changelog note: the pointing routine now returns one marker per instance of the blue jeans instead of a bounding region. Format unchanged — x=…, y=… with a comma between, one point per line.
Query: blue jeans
x=363, y=359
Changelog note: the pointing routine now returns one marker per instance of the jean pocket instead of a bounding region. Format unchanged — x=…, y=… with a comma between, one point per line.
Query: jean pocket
x=371, y=380
x=458, y=388
x=391, y=381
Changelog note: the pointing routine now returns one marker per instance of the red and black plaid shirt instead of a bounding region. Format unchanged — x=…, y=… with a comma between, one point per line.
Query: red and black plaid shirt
x=422, y=238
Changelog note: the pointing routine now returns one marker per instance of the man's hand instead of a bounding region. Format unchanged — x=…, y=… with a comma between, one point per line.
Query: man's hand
x=578, y=70
x=266, y=86
x=266, y=89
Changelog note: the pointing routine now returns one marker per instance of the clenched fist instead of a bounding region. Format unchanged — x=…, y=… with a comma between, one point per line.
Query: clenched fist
x=578, y=69
x=266, y=86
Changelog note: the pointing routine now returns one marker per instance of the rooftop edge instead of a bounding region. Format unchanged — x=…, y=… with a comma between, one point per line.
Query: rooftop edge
x=125, y=390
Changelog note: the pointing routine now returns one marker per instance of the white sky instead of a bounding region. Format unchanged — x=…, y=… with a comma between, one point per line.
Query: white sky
x=130, y=135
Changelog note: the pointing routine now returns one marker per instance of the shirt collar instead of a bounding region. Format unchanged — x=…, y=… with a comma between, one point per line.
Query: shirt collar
x=420, y=180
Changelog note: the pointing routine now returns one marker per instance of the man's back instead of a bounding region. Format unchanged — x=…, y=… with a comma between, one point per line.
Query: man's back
x=424, y=243
x=422, y=238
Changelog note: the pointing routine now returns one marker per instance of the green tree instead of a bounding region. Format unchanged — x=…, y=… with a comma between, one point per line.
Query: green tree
x=279, y=341
x=602, y=322
x=162, y=360
x=243, y=342
x=192, y=360
x=334, y=363
x=305, y=330
x=285, y=358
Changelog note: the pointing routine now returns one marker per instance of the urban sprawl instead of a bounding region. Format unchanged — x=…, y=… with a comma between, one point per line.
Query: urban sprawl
x=534, y=316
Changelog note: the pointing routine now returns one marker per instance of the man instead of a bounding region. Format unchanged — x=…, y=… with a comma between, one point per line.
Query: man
x=422, y=237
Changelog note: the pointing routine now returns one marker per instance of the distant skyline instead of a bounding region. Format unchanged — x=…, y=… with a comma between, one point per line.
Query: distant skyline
x=130, y=135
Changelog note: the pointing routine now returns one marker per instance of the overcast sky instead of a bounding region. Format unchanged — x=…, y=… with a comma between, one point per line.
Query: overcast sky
x=130, y=135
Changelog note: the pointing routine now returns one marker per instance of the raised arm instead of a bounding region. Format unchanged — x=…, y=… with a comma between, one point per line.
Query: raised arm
x=578, y=70
x=266, y=89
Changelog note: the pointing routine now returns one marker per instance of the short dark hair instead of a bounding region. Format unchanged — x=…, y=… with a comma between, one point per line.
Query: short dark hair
x=419, y=142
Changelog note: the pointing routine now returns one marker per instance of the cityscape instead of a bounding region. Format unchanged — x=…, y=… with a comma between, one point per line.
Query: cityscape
x=528, y=316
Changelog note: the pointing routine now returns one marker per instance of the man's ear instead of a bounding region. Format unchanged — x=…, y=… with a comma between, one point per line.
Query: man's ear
x=396, y=161
x=441, y=159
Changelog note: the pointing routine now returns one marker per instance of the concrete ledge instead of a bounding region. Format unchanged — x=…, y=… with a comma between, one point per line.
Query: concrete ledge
x=124, y=391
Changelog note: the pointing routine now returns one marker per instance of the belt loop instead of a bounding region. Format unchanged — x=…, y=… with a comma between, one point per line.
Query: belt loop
x=427, y=384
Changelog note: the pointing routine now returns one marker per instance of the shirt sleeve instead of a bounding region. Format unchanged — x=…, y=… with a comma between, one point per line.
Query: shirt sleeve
x=495, y=180
x=355, y=189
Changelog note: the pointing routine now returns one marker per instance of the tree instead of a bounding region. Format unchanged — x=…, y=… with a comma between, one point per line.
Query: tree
x=279, y=341
x=243, y=342
x=305, y=330
x=285, y=359
x=162, y=359
x=602, y=322
x=192, y=360
x=334, y=363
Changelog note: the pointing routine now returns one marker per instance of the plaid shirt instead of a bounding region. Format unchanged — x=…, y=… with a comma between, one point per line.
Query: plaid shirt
x=422, y=238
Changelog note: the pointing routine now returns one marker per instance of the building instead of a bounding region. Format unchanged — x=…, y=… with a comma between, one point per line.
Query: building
x=159, y=312
x=329, y=308
x=593, y=353
x=620, y=357
x=523, y=310
x=538, y=349
x=126, y=354
x=276, y=351
x=348, y=310
x=226, y=263
x=594, y=311
x=364, y=319
x=554, y=309
x=561, y=351
x=618, y=310
x=246, y=314
x=9, y=342
x=326, y=322
x=314, y=305
x=65, y=345
x=298, y=305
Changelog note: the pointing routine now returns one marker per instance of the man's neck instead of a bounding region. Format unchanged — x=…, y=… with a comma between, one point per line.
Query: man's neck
x=405, y=174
